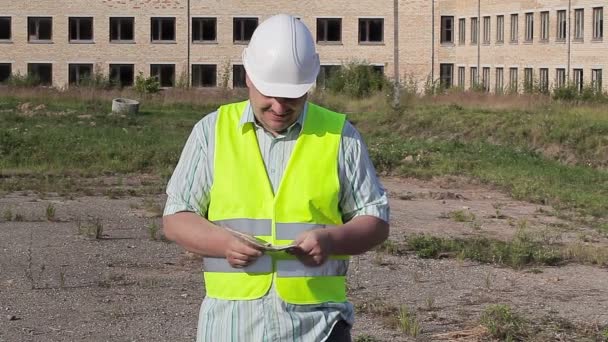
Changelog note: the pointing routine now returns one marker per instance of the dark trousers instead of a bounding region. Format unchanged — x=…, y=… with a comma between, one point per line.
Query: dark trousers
x=340, y=333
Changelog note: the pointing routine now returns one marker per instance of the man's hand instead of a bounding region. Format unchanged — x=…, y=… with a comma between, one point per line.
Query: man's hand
x=313, y=247
x=240, y=254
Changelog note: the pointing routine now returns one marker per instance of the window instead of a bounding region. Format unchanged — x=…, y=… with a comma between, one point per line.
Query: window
x=598, y=23
x=474, y=26
x=204, y=29
x=81, y=29
x=529, y=27
x=5, y=28
x=561, y=25
x=163, y=29
x=204, y=75
x=486, y=30
x=79, y=72
x=242, y=29
x=164, y=73
x=513, y=82
x=498, y=87
x=544, y=26
x=596, y=79
x=461, y=77
x=121, y=29
x=447, y=29
x=372, y=30
x=579, y=23
x=329, y=30
x=560, y=77
x=122, y=74
x=514, y=28
x=474, y=78
x=446, y=75
x=325, y=73
x=41, y=72
x=485, y=79
x=578, y=79
x=500, y=29
x=5, y=72
x=544, y=80
x=462, y=30
x=238, y=76
x=39, y=28
x=528, y=80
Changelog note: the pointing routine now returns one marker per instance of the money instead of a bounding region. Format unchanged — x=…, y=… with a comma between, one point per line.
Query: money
x=266, y=246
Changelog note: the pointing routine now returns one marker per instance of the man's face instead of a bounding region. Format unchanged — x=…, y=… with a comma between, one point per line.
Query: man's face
x=275, y=114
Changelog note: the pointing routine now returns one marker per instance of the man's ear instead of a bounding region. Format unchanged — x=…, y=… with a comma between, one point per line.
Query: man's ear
x=247, y=81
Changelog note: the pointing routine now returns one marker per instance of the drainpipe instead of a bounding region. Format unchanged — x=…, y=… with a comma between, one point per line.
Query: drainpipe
x=188, y=57
x=433, y=41
x=396, y=51
x=478, y=41
x=569, y=52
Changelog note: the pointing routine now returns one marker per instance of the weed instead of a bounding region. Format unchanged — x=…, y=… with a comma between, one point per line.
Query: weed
x=19, y=218
x=390, y=247
x=93, y=228
x=488, y=280
x=8, y=215
x=50, y=212
x=366, y=338
x=429, y=303
x=462, y=216
x=153, y=231
x=408, y=322
x=503, y=323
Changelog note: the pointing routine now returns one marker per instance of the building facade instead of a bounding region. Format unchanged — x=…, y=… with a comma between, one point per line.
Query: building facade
x=491, y=44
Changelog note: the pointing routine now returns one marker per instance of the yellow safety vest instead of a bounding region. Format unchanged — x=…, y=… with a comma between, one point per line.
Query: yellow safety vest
x=242, y=199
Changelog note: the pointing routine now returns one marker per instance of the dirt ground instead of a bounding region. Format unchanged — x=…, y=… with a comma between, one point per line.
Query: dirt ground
x=58, y=284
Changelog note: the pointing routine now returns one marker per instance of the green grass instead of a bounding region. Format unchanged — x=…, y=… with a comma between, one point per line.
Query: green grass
x=504, y=324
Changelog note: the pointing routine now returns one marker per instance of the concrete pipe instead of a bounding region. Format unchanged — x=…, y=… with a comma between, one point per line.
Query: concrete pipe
x=125, y=106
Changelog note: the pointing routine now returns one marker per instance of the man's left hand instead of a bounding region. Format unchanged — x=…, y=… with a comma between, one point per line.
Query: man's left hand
x=313, y=247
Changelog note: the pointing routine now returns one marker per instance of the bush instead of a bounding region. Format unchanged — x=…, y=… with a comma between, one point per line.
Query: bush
x=18, y=80
x=357, y=80
x=146, y=85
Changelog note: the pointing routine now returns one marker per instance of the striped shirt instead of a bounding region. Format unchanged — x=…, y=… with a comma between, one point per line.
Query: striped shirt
x=270, y=318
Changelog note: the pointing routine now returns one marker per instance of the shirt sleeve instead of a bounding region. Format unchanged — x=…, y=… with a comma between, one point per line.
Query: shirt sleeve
x=360, y=190
x=189, y=186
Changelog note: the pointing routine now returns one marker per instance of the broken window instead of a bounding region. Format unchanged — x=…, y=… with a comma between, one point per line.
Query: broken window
x=500, y=28
x=514, y=28
x=81, y=29
x=204, y=75
x=79, y=72
x=41, y=72
x=529, y=27
x=164, y=73
x=579, y=23
x=371, y=30
x=485, y=79
x=122, y=74
x=462, y=31
x=498, y=86
x=447, y=29
x=5, y=72
x=578, y=79
x=598, y=23
x=461, y=77
x=329, y=30
x=596, y=80
x=561, y=25
x=560, y=77
x=163, y=29
x=474, y=77
x=544, y=26
x=325, y=73
x=39, y=28
x=486, y=30
x=204, y=29
x=474, y=30
x=543, y=81
x=513, y=82
x=446, y=75
x=528, y=80
x=5, y=28
x=242, y=29
x=122, y=29
x=238, y=76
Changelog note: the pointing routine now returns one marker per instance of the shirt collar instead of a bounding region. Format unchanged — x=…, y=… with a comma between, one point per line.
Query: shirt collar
x=249, y=117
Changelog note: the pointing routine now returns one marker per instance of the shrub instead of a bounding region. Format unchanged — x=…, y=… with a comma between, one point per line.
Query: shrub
x=146, y=85
x=357, y=79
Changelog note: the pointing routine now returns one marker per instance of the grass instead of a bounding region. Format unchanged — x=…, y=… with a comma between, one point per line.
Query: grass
x=407, y=322
x=153, y=231
x=504, y=324
x=93, y=228
x=50, y=212
x=523, y=250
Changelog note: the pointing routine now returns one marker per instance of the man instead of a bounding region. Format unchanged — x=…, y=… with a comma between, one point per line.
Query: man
x=287, y=172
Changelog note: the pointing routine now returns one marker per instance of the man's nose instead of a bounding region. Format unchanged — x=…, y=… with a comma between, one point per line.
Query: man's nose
x=280, y=105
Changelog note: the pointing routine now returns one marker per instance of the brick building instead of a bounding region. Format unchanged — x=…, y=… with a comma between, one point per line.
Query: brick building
x=491, y=43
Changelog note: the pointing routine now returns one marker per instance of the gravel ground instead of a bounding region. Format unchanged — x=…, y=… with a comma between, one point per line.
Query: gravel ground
x=58, y=284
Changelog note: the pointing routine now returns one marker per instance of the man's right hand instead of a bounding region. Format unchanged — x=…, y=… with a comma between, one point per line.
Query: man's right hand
x=240, y=253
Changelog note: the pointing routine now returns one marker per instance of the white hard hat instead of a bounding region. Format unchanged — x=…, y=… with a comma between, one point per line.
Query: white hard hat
x=281, y=60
